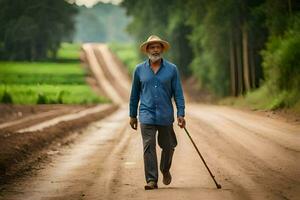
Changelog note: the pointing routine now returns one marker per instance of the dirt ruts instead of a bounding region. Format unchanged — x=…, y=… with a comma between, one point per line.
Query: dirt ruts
x=20, y=148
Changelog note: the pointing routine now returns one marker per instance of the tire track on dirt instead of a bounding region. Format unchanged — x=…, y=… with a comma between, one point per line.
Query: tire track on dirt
x=264, y=172
x=76, y=169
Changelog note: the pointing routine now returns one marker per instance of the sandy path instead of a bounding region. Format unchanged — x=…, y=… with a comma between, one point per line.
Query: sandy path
x=106, y=162
x=101, y=74
x=252, y=157
x=67, y=117
x=14, y=124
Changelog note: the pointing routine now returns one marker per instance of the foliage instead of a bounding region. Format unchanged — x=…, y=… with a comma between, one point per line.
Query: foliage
x=30, y=29
x=42, y=99
x=104, y=22
x=6, y=97
x=267, y=98
x=128, y=53
x=69, y=51
x=282, y=70
x=166, y=19
x=281, y=59
x=211, y=48
x=230, y=46
x=282, y=66
x=200, y=32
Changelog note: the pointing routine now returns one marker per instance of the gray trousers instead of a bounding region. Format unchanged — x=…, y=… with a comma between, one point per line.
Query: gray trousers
x=167, y=142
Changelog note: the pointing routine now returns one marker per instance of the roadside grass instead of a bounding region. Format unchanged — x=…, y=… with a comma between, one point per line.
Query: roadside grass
x=266, y=98
x=50, y=94
x=127, y=53
x=69, y=51
x=46, y=82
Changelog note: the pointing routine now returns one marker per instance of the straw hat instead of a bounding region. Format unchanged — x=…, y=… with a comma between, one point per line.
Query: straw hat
x=153, y=39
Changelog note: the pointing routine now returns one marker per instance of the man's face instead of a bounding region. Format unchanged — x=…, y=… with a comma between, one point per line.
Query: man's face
x=154, y=51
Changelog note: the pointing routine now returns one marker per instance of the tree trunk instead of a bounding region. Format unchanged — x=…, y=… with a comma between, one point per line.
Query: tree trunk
x=232, y=66
x=252, y=65
x=239, y=63
x=246, y=71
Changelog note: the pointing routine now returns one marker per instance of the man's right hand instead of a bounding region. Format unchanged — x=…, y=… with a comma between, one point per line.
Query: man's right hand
x=133, y=123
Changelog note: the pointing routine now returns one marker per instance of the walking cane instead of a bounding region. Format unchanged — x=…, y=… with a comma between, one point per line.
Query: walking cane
x=212, y=176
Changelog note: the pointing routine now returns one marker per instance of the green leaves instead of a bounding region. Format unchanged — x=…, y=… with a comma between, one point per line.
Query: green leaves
x=30, y=29
x=281, y=59
x=220, y=42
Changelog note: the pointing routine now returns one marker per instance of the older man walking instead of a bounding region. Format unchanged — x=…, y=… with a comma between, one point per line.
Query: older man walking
x=155, y=82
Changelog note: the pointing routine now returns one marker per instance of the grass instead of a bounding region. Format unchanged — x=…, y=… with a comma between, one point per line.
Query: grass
x=128, y=53
x=41, y=73
x=267, y=98
x=50, y=94
x=69, y=51
x=46, y=82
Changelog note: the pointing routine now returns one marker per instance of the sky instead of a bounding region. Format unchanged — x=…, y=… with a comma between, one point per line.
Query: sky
x=90, y=3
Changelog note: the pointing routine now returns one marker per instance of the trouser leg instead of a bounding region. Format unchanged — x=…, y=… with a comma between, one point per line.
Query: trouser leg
x=167, y=141
x=149, y=145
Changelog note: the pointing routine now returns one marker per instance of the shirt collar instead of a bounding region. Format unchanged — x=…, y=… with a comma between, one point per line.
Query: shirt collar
x=161, y=64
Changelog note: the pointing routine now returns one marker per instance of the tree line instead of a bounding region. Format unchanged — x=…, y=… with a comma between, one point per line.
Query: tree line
x=230, y=46
x=33, y=29
x=104, y=22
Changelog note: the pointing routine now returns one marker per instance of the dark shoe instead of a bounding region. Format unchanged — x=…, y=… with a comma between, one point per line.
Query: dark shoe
x=167, y=178
x=151, y=185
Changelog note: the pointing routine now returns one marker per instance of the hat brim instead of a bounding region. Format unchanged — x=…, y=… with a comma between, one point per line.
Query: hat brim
x=165, y=44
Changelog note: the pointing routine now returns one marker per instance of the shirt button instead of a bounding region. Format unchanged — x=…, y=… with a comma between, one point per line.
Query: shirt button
x=155, y=86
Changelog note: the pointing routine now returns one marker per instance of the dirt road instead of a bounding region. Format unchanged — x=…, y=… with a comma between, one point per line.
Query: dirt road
x=252, y=157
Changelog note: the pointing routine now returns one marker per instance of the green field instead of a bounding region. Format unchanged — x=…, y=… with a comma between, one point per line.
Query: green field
x=266, y=98
x=128, y=53
x=68, y=51
x=46, y=82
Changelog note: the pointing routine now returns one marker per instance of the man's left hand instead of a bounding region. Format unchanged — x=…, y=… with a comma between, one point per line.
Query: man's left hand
x=181, y=122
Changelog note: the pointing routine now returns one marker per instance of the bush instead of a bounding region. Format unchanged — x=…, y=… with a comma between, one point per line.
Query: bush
x=60, y=97
x=41, y=99
x=283, y=64
x=6, y=98
x=282, y=67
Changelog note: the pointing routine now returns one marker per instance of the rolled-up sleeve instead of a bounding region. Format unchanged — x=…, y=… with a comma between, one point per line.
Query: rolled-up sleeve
x=178, y=94
x=135, y=94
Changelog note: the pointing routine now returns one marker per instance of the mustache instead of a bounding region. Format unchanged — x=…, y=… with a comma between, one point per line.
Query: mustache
x=156, y=54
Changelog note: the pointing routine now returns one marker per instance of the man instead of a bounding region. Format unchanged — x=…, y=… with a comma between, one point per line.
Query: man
x=155, y=82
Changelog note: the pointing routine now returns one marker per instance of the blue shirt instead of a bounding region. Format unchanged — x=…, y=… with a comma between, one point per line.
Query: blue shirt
x=155, y=92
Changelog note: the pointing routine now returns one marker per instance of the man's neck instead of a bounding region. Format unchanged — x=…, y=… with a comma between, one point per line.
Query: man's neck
x=155, y=64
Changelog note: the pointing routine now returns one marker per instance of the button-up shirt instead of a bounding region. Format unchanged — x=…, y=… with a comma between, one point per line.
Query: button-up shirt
x=155, y=92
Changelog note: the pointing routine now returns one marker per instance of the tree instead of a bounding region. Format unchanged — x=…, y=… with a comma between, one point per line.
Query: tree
x=166, y=19
x=30, y=29
x=222, y=40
